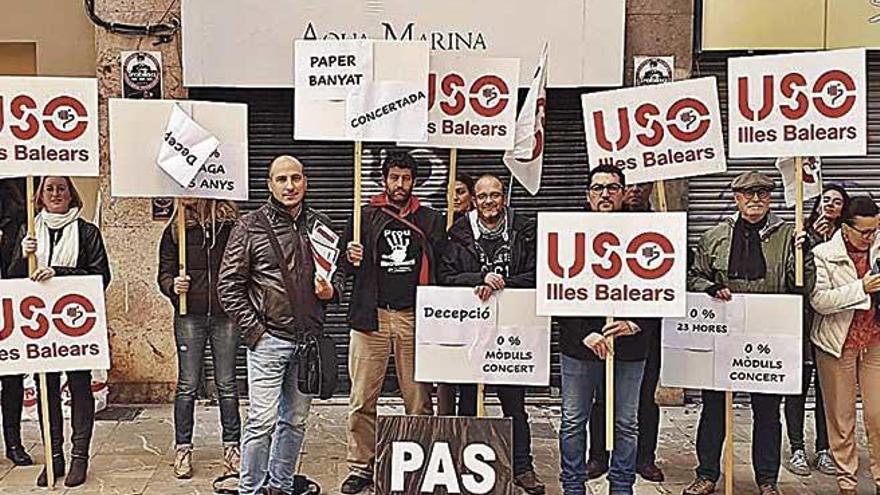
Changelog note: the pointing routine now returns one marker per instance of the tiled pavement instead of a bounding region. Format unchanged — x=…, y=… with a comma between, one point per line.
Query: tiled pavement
x=135, y=457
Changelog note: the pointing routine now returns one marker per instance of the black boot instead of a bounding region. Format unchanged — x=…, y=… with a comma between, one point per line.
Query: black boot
x=14, y=449
x=77, y=474
x=57, y=467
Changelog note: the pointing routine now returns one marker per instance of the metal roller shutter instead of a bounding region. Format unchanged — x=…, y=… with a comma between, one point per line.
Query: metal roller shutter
x=329, y=167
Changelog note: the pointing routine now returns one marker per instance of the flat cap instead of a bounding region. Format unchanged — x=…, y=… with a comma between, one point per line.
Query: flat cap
x=752, y=180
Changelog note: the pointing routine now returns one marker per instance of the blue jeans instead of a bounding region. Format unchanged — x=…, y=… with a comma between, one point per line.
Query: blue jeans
x=580, y=381
x=274, y=400
x=191, y=334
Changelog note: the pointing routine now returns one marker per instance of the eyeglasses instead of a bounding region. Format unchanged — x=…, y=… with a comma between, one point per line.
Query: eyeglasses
x=866, y=234
x=613, y=188
x=751, y=193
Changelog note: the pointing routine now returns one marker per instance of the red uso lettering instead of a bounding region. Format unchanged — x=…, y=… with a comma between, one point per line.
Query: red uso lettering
x=489, y=88
x=609, y=262
x=60, y=113
x=794, y=86
x=687, y=120
x=76, y=309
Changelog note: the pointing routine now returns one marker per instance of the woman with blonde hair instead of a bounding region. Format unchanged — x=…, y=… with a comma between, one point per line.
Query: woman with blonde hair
x=208, y=224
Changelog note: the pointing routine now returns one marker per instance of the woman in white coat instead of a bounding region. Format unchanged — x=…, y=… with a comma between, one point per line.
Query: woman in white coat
x=846, y=333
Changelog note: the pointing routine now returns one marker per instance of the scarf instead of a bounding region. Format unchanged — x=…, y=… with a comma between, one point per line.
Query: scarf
x=412, y=205
x=746, y=255
x=65, y=249
x=381, y=201
x=498, y=237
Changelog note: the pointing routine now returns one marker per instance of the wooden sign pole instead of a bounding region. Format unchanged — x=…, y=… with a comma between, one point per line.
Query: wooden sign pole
x=358, y=166
x=181, y=251
x=799, y=219
x=450, y=188
x=609, y=392
x=661, y=196
x=728, y=443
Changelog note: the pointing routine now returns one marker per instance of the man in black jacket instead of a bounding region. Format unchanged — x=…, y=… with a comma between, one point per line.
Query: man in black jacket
x=489, y=249
x=583, y=343
x=274, y=321
x=400, y=242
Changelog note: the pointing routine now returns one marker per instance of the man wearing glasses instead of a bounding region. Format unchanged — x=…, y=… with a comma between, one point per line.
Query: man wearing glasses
x=749, y=252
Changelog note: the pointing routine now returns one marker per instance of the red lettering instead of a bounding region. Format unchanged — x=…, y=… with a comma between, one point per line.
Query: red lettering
x=650, y=238
x=72, y=302
x=602, y=135
x=19, y=105
x=486, y=83
x=600, y=247
x=28, y=307
x=79, y=111
x=643, y=118
x=580, y=241
x=451, y=86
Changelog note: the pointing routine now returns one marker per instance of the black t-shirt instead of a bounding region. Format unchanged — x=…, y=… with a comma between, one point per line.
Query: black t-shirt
x=400, y=261
x=494, y=255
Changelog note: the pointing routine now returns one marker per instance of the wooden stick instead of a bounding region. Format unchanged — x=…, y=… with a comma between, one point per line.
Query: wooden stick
x=661, y=196
x=450, y=188
x=609, y=392
x=728, y=443
x=481, y=400
x=181, y=252
x=44, y=393
x=358, y=165
x=799, y=219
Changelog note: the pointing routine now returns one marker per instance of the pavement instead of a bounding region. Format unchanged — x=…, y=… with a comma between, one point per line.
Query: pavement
x=135, y=456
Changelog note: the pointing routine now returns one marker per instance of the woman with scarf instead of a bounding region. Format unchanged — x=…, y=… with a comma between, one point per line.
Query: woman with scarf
x=65, y=245
x=208, y=224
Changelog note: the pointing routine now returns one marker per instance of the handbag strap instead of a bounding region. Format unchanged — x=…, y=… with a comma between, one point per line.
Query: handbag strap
x=279, y=255
x=411, y=225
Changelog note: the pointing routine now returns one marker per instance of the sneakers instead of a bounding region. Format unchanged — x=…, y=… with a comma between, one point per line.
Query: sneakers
x=76, y=476
x=798, y=464
x=529, y=482
x=700, y=486
x=769, y=489
x=231, y=459
x=825, y=463
x=355, y=484
x=650, y=472
x=596, y=469
x=183, y=469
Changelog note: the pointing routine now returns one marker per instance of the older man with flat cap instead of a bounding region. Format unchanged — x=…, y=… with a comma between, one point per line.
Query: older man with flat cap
x=751, y=251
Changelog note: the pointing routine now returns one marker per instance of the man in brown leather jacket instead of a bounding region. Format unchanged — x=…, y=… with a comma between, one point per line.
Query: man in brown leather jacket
x=273, y=322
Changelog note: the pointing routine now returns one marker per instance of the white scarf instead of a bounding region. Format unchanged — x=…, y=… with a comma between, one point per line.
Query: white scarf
x=66, y=250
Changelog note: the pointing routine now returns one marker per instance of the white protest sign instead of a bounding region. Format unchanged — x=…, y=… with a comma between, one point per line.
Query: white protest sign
x=510, y=347
x=324, y=250
x=798, y=104
x=186, y=146
x=57, y=325
x=611, y=264
x=330, y=69
x=387, y=111
x=48, y=126
x=754, y=343
x=317, y=116
x=667, y=131
x=812, y=178
x=136, y=135
x=526, y=160
x=471, y=102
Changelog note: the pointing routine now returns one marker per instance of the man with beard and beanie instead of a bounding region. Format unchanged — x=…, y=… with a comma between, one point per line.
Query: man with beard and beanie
x=275, y=306
x=751, y=252
x=583, y=342
x=637, y=198
x=400, y=242
x=489, y=249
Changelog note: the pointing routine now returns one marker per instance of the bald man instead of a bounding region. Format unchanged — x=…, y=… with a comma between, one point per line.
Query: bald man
x=274, y=315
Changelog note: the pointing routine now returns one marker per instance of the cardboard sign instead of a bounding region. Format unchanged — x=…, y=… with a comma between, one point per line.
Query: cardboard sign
x=611, y=264
x=324, y=250
x=526, y=160
x=58, y=325
x=142, y=75
x=137, y=128
x=751, y=344
x=798, y=104
x=425, y=454
x=655, y=133
x=650, y=71
x=186, y=146
x=364, y=112
x=48, y=126
x=330, y=69
x=812, y=178
x=497, y=342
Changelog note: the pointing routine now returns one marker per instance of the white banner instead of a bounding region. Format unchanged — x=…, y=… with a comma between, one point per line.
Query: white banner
x=611, y=264
x=48, y=126
x=497, y=342
x=136, y=134
x=222, y=36
x=753, y=343
x=186, y=146
x=526, y=160
x=798, y=104
x=330, y=69
x=58, y=325
x=812, y=178
x=667, y=131
x=387, y=111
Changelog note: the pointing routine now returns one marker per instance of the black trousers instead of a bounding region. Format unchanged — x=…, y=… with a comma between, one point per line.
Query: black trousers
x=11, y=400
x=649, y=413
x=513, y=405
x=795, y=406
x=82, y=404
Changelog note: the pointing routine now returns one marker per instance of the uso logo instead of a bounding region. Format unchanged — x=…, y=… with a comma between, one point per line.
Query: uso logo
x=73, y=315
x=687, y=120
x=832, y=94
x=487, y=95
x=63, y=117
x=648, y=256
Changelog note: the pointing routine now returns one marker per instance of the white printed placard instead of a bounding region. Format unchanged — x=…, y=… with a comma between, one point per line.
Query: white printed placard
x=812, y=178
x=136, y=135
x=753, y=343
x=611, y=264
x=186, y=146
x=48, y=126
x=387, y=111
x=331, y=69
x=667, y=131
x=57, y=325
x=452, y=316
x=798, y=104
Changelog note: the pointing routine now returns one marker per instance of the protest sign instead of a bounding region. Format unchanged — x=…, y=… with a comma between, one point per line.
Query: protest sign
x=812, y=178
x=324, y=250
x=611, y=264
x=330, y=69
x=798, y=104
x=186, y=146
x=752, y=343
x=425, y=454
x=653, y=70
x=137, y=128
x=57, y=325
x=526, y=160
x=471, y=102
x=142, y=75
x=48, y=126
x=498, y=342
x=660, y=132
x=399, y=69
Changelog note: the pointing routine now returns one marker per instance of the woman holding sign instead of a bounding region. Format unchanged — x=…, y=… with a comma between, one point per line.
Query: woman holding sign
x=208, y=224
x=64, y=245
